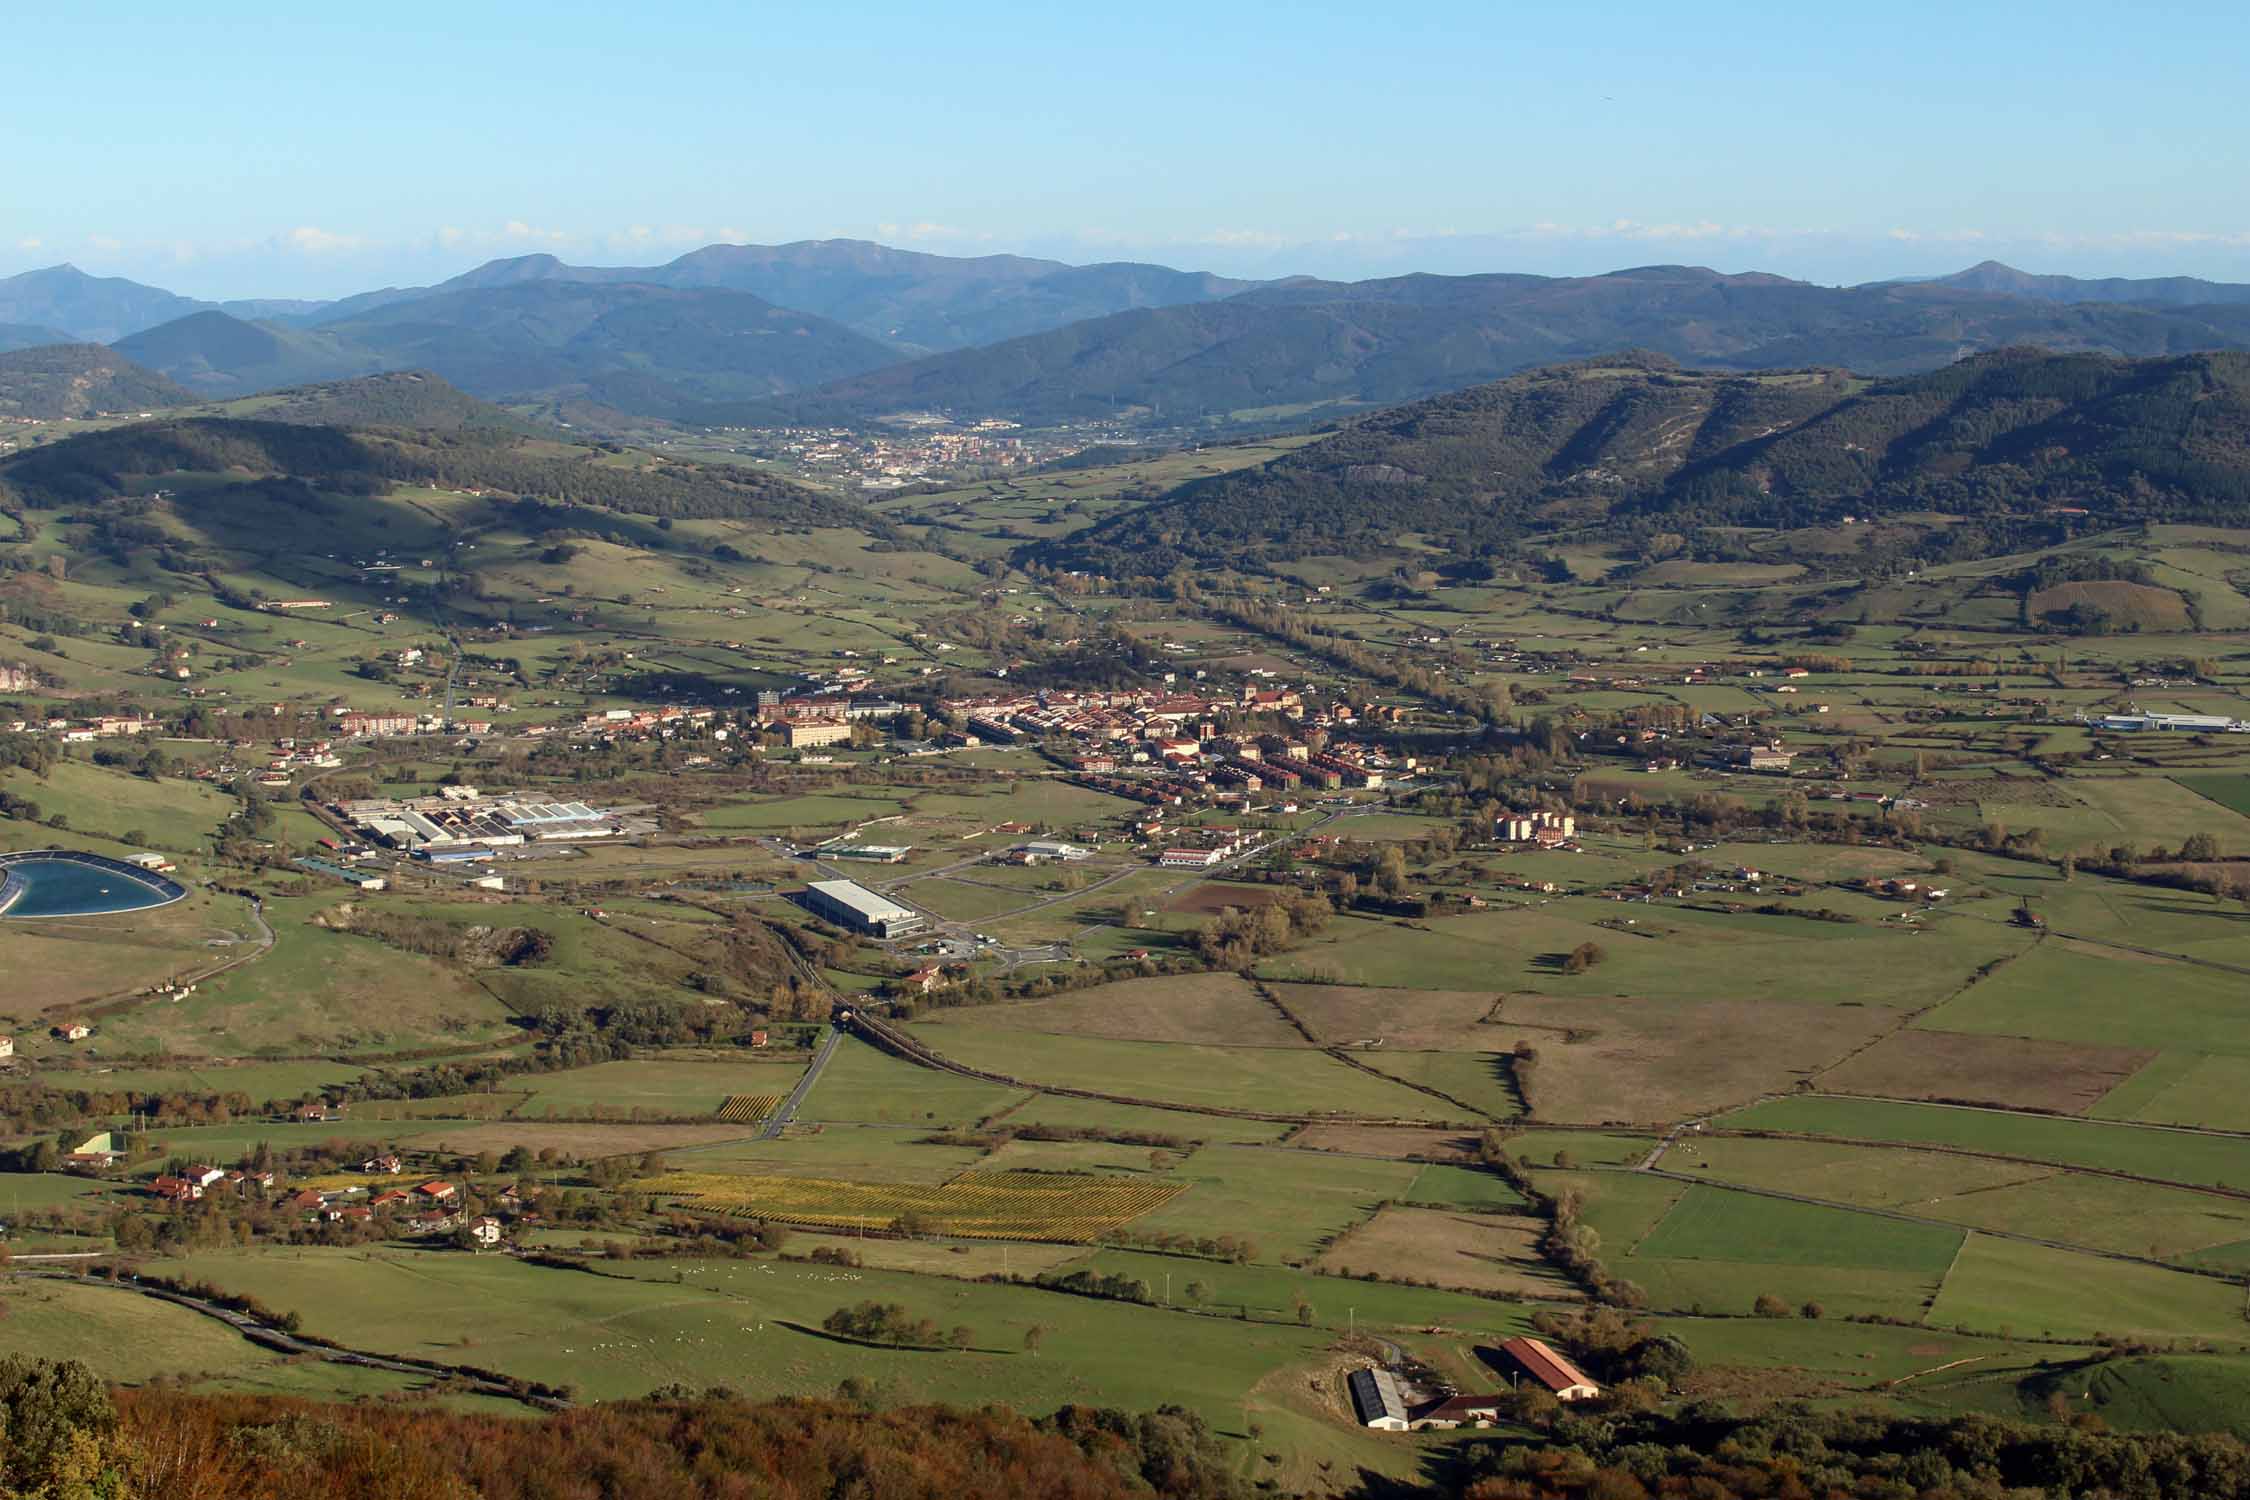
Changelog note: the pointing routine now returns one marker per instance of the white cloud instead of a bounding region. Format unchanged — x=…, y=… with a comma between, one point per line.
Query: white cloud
x=308, y=239
x=104, y=243
x=31, y=242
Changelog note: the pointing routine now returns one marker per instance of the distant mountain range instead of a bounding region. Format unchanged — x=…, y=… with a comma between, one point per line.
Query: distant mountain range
x=1638, y=442
x=1279, y=350
x=2159, y=291
x=842, y=331
x=909, y=301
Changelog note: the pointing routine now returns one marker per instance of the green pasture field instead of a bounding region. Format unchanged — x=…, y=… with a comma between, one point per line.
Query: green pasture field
x=174, y=814
x=2103, y=1213
x=837, y=1151
x=959, y=901
x=1478, y=1079
x=822, y=810
x=2099, y=996
x=1857, y=1356
x=1688, y=955
x=862, y=1084
x=2148, y=1151
x=2164, y=811
x=1023, y=800
x=1338, y=1303
x=1215, y=1009
x=316, y=990
x=1858, y=1176
x=1285, y=1202
x=262, y=1081
x=22, y=1190
x=124, y=1336
x=748, y=1325
x=1075, y=1156
x=657, y=1086
x=2169, y=1393
x=2230, y=791
x=1463, y=1187
x=1711, y=1223
x=1099, y=1114
x=1715, y=1286
x=1621, y=1207
x=2183, y=1088
x=1278, y=1079
x=2008, y=1285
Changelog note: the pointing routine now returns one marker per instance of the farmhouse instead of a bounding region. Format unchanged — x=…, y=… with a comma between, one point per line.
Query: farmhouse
x=1449, y=1412
x=484, y=1232
x=855, y=906
x=1536, y=1360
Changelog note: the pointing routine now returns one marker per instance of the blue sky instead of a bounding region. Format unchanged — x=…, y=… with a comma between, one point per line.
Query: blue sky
x=264, y=149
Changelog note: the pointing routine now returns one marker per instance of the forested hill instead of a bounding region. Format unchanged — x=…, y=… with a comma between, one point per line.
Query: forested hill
x=80, y=380
x=410, y=399
x=1637, y=441
x=1306, y=343
x=99, y=466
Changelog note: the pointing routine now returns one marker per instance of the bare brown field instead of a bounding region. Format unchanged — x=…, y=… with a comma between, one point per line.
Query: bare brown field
x=1432, y=1020
x=79, y=959
x=1214, y=897
x=1646, y=1061
x=1396, y=1141
x=2014, y=1072
x=581, y=1140
x=1476, y=1252
x=1212, y=1009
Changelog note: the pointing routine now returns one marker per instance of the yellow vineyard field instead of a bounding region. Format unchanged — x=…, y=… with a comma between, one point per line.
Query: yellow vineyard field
x=748, y=1109
x=974, y=1205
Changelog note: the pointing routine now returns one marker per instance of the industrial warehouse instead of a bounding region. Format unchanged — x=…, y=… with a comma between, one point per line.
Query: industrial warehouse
x=462, y=816
x=855, y=906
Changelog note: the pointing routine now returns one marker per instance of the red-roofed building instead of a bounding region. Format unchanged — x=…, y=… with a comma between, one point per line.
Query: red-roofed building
x=1535, y=1359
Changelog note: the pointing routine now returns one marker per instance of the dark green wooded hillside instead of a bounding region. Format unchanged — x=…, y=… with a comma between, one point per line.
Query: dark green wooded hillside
x=100, y=466
x=1638, y=441
x=220, y=356
x=56, y=381
x=411, y=399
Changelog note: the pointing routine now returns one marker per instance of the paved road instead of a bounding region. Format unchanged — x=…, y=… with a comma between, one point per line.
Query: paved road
x=779, y=1120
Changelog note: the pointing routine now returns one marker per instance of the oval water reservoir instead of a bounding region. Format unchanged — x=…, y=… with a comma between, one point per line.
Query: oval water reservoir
x=69, y=883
